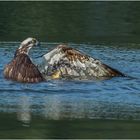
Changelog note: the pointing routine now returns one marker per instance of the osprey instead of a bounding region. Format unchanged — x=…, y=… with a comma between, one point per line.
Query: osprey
x=66, y=62
x=21, y=68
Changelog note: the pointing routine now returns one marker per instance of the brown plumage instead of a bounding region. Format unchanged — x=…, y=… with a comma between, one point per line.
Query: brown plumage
x=21, y=68
x=73, y=54
x=64, y=61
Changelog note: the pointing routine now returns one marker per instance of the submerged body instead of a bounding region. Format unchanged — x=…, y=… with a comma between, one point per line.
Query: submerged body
x=66, y=62
x=61, y=62
x=21, y=68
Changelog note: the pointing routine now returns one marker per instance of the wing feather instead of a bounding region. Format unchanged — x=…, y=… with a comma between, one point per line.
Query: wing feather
x=70, y=61
x=22, y=69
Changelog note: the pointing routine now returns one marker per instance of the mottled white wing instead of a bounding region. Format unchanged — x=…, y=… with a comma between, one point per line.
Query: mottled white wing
x=64, y=62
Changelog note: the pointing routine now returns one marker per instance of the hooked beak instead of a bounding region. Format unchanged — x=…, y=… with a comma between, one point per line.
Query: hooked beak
x=35, y=42
x=37, y=45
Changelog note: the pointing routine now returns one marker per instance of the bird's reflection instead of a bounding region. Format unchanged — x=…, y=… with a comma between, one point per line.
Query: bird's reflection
x=24, y=110
x=52, y=107
x=57, y=107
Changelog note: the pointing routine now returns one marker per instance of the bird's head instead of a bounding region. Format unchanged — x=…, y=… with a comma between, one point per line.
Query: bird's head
x=26, y=45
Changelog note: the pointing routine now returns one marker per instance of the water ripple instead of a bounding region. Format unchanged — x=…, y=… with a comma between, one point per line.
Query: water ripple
x=116, y=98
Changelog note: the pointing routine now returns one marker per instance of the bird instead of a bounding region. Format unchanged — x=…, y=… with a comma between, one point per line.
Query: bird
x=21, y=68
x=69, y=63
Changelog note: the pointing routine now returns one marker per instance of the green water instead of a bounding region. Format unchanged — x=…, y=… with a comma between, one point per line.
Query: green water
x=109, y=31
x=70, y=21
x=42, y=128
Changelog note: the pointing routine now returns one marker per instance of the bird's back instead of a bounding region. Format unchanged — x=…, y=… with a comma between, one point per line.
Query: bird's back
x=22, y=69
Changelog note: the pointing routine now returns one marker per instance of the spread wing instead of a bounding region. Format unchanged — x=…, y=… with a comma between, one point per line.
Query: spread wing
x=64, y=61
x=22, y=69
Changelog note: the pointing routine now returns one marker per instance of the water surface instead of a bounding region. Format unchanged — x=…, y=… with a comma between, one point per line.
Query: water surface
x=67, y=101
x=109, y=31
x=70, y=21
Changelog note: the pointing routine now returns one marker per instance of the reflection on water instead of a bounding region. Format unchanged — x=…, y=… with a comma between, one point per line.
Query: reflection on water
x=72, y=109
x=76, y=128
x=116, y=98
x=56, y=107
x=52, y=107
x=46, y=107
x=24, y=112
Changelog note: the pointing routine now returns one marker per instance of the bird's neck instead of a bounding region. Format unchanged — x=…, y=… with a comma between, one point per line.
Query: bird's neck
x=21, y=51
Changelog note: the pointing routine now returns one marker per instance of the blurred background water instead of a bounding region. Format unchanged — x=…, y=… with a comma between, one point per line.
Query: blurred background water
x=70, y=21
x=108, y=31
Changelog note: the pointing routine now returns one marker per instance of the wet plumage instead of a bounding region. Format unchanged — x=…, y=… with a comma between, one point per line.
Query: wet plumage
x=66, y=62
x=21, y=68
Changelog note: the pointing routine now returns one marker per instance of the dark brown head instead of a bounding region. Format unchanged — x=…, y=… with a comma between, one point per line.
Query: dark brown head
x=26, y=45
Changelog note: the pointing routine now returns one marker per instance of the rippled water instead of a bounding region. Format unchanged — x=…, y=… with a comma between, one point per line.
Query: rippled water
x=72, y=109
x=117, y=98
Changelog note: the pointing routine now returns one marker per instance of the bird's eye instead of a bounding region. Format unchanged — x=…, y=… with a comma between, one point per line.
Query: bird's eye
x=30, y=42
